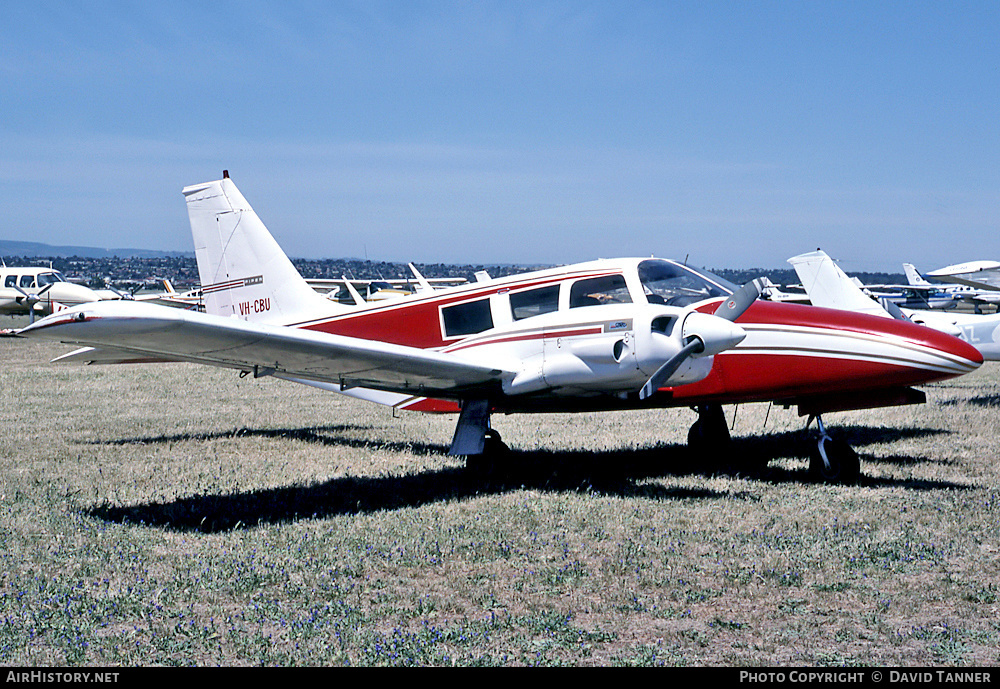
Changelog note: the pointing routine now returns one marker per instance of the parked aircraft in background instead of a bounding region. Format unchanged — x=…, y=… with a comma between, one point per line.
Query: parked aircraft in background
x=912, y=296
x=976, y=296
x=828, y=286
x=358, y=291
x=773, y=292
x=632, y=333
x=40, y=291
x=984, y=275
x=190, y=299
x=907, y=296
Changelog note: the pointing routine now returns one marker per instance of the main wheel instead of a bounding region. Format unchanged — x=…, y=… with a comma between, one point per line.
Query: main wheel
x=709, y=436
x=842, y=464
x=494, y=444
x=484, y=465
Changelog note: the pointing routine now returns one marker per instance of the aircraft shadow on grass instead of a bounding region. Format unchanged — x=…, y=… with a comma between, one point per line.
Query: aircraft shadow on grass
x=623, y=473
x=978, y=401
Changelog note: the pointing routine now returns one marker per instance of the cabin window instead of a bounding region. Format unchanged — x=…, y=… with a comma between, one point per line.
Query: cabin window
x=610, y=289
x=27, y=281
x=467, y=319
x=10, y=281
x=534, y=302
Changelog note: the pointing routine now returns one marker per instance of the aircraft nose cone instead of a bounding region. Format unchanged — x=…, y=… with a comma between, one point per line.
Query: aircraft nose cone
x=934, y=350
x=961, y=349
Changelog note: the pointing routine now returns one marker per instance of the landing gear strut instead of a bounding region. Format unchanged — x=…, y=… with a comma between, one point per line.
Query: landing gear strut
x=480, y=444
x=832, y=460
x=710, y=433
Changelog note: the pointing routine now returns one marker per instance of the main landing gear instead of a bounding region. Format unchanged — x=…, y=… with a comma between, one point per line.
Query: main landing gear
x=832, y=460
x=709, y=435
x=480, y=444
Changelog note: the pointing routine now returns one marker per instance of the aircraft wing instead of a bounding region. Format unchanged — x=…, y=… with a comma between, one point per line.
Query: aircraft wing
x=980, y=274
x=125, y=331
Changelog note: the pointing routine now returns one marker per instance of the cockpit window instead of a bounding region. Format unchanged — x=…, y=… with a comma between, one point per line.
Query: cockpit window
x=49, y=279
x=665, y=282
x=610, y=289
x=27, y=281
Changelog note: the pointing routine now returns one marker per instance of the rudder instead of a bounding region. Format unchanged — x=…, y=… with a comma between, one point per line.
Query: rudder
x=243, y=271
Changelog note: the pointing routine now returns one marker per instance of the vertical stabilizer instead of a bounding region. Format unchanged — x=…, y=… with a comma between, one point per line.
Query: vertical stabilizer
x=828, y=286
x=913, y=276
x=244, y=273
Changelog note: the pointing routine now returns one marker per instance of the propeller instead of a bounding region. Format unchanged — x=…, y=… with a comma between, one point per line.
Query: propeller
x=30, y=300
x=710, y=334
x=121, y=295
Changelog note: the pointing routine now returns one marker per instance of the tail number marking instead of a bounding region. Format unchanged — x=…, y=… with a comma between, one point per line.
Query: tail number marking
x=255, y=306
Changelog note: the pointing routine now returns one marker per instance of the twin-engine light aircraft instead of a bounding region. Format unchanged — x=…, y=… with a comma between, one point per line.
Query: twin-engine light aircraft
x=606, y=335
x=35, y=290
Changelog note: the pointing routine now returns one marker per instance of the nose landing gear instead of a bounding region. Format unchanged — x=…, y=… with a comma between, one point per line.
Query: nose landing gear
x=832, y=460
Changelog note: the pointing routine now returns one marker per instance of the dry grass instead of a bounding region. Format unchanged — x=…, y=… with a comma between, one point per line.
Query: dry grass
x=182, y=515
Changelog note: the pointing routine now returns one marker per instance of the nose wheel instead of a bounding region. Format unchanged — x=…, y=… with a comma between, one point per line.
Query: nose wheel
x=832, y=460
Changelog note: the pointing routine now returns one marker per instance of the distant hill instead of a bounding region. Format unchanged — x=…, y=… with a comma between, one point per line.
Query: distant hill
x=39, y=250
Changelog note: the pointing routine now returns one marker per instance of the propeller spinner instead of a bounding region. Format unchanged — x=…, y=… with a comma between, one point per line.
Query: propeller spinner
x=707, y=334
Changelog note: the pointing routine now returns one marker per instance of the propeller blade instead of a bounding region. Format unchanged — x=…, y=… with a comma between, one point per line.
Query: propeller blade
x=662, y=375
x=702, y=334
x=740, y=300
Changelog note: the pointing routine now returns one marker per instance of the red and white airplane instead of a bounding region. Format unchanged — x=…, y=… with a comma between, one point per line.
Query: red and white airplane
x=606, y=335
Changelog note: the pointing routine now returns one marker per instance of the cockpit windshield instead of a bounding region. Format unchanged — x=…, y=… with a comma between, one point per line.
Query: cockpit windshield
x=50, y=278
x=666, y=282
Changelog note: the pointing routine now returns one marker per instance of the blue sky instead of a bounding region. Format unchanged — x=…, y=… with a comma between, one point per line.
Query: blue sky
x=735, y=133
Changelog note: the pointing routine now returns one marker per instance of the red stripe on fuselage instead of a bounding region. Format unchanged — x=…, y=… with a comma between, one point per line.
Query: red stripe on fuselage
x=737, y=377
x=431, y=406
x=534, y=335
x=415, y=321
x=757, y=376
x=772, y=313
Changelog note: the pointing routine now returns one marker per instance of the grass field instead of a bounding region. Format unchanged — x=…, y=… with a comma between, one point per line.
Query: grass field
x=180, y=515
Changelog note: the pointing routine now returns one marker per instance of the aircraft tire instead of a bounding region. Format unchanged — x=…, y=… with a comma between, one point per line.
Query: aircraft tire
x=484, y=465
x=845, y=466
x=709, y=437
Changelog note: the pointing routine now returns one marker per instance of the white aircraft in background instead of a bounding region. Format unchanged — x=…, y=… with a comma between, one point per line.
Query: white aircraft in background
x=828, y=286
x=191, y=299
x=611, y=334
x=362, y=291
x=976, y=296
x=984, y=275
x=40, y=291
x=773, y=292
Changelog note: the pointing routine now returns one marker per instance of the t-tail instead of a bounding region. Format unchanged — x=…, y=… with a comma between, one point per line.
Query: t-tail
x=244, y=273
